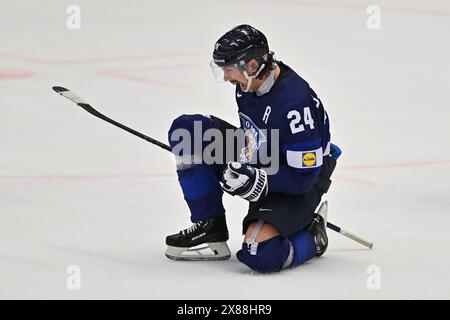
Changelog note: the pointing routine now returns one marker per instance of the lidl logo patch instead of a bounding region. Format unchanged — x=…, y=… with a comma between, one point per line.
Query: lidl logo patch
x=309, y=159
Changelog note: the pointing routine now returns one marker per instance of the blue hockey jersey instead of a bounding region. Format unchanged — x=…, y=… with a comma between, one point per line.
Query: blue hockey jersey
x=292, y=107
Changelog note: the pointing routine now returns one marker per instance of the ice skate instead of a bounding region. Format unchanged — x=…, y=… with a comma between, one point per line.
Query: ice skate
x=205, y=240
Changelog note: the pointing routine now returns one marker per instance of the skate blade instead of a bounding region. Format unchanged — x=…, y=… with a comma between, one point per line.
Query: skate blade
x=211, y=251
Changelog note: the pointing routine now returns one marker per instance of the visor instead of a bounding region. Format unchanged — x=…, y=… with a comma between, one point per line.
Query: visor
x=222, y=73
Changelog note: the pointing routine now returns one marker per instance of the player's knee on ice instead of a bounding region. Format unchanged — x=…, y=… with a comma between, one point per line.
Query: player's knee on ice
x=268, y=256
x=278, y=253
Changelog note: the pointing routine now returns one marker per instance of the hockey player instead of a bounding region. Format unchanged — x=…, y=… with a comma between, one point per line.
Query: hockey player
x=281, y=227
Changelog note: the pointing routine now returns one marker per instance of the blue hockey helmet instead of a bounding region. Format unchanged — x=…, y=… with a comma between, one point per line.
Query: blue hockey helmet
x=237, y=47
x=240, y=45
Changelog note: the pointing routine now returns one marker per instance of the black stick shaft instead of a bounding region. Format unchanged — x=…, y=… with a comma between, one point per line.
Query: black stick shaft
x=94, y=112
x=86, y=106
x=333, y=227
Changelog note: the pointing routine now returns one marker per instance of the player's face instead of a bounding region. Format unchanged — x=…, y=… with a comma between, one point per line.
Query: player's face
x=233, y=75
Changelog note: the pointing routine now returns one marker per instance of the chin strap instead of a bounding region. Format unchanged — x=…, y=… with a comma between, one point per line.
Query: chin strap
x=250, y=78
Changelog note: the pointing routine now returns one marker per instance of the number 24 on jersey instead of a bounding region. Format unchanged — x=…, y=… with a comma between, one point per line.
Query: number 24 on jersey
x=296, y=120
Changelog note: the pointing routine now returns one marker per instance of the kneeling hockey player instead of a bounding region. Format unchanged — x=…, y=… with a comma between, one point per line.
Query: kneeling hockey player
x=281, y=227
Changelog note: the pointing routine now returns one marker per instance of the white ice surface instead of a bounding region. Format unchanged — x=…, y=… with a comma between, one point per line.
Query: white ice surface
x=75, y=190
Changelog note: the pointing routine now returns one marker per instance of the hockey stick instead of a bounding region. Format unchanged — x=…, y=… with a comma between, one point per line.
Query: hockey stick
x=350, y=235
x=86, y=106
x=323, y=211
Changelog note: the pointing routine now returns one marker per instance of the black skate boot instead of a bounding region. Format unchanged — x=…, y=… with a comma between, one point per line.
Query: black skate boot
x=318, y=229
x=205, y=240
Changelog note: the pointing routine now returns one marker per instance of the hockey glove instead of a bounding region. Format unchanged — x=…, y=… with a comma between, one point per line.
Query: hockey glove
x=245, y=181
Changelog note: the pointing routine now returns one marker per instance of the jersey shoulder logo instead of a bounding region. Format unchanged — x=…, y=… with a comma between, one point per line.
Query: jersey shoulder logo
x=254, y=137
x=238, y=94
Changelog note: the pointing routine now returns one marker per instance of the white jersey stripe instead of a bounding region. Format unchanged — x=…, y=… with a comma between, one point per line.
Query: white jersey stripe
x=305, y=159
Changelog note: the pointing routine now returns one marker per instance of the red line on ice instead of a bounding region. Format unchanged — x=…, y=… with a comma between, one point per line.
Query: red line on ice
x=173, y=175
x=93, y=60
x=352, y=180
x=124, y=74
x=396, y=165
x=88, y=177
x=14, y=74
x=131, y=176
x=119, y=75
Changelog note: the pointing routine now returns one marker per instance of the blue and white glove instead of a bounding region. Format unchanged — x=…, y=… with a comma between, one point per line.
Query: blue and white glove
x=245, y=181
